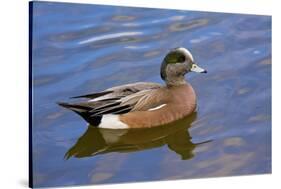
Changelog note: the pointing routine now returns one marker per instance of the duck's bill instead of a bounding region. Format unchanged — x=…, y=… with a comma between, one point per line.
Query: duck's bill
x=196, y=68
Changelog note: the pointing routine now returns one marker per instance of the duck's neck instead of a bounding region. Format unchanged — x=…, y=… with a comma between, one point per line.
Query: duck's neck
x=175, y=81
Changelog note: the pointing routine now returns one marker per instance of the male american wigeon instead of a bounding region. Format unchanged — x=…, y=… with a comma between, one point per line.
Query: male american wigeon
x=144, y=104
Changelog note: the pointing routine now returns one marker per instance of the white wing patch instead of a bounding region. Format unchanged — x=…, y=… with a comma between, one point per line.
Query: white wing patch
x=111, y=121
x=157, y=107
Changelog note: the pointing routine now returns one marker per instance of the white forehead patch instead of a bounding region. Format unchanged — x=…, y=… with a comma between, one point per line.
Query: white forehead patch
x=186, y=52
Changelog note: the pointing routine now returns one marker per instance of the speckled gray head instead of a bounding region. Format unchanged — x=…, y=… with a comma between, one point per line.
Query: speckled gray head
x=176, y=64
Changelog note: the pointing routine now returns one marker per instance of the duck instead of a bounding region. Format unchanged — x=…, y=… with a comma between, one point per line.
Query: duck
x=143, y=104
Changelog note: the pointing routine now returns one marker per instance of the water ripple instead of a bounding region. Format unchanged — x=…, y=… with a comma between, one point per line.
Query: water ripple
x=110, y=36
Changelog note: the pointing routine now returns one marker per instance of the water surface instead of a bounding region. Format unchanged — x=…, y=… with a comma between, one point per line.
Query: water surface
x=79, y=49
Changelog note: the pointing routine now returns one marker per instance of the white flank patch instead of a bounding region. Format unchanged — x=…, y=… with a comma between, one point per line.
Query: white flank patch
x=157, y=107
x=110, y=121
x=185, y=51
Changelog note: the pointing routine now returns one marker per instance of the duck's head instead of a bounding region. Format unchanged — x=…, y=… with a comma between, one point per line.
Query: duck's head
x=176, y=64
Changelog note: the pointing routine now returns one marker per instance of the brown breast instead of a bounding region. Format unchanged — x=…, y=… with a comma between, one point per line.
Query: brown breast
x=180, y=101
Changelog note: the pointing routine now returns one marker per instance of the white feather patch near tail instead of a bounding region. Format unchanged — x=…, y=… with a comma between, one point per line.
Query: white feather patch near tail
x=110, y=121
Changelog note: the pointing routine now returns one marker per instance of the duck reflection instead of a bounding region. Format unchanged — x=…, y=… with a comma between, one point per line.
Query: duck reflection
x=101, y=141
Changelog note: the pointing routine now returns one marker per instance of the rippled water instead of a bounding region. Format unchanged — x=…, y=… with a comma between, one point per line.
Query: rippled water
x=87, y=48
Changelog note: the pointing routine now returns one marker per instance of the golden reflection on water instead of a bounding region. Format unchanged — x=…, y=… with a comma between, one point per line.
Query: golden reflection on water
x=101, y=141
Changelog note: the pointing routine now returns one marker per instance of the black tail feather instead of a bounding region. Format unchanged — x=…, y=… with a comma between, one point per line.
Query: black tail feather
x=83, y=111
x=74, y=107
x=93, y=95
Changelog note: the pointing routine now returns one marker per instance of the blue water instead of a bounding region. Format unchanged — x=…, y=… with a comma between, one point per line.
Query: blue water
x=79, y=49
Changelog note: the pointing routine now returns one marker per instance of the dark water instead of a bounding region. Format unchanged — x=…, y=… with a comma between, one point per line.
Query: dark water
x=86, y=48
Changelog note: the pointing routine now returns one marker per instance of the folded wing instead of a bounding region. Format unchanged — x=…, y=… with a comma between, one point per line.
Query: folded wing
x=116, y=100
